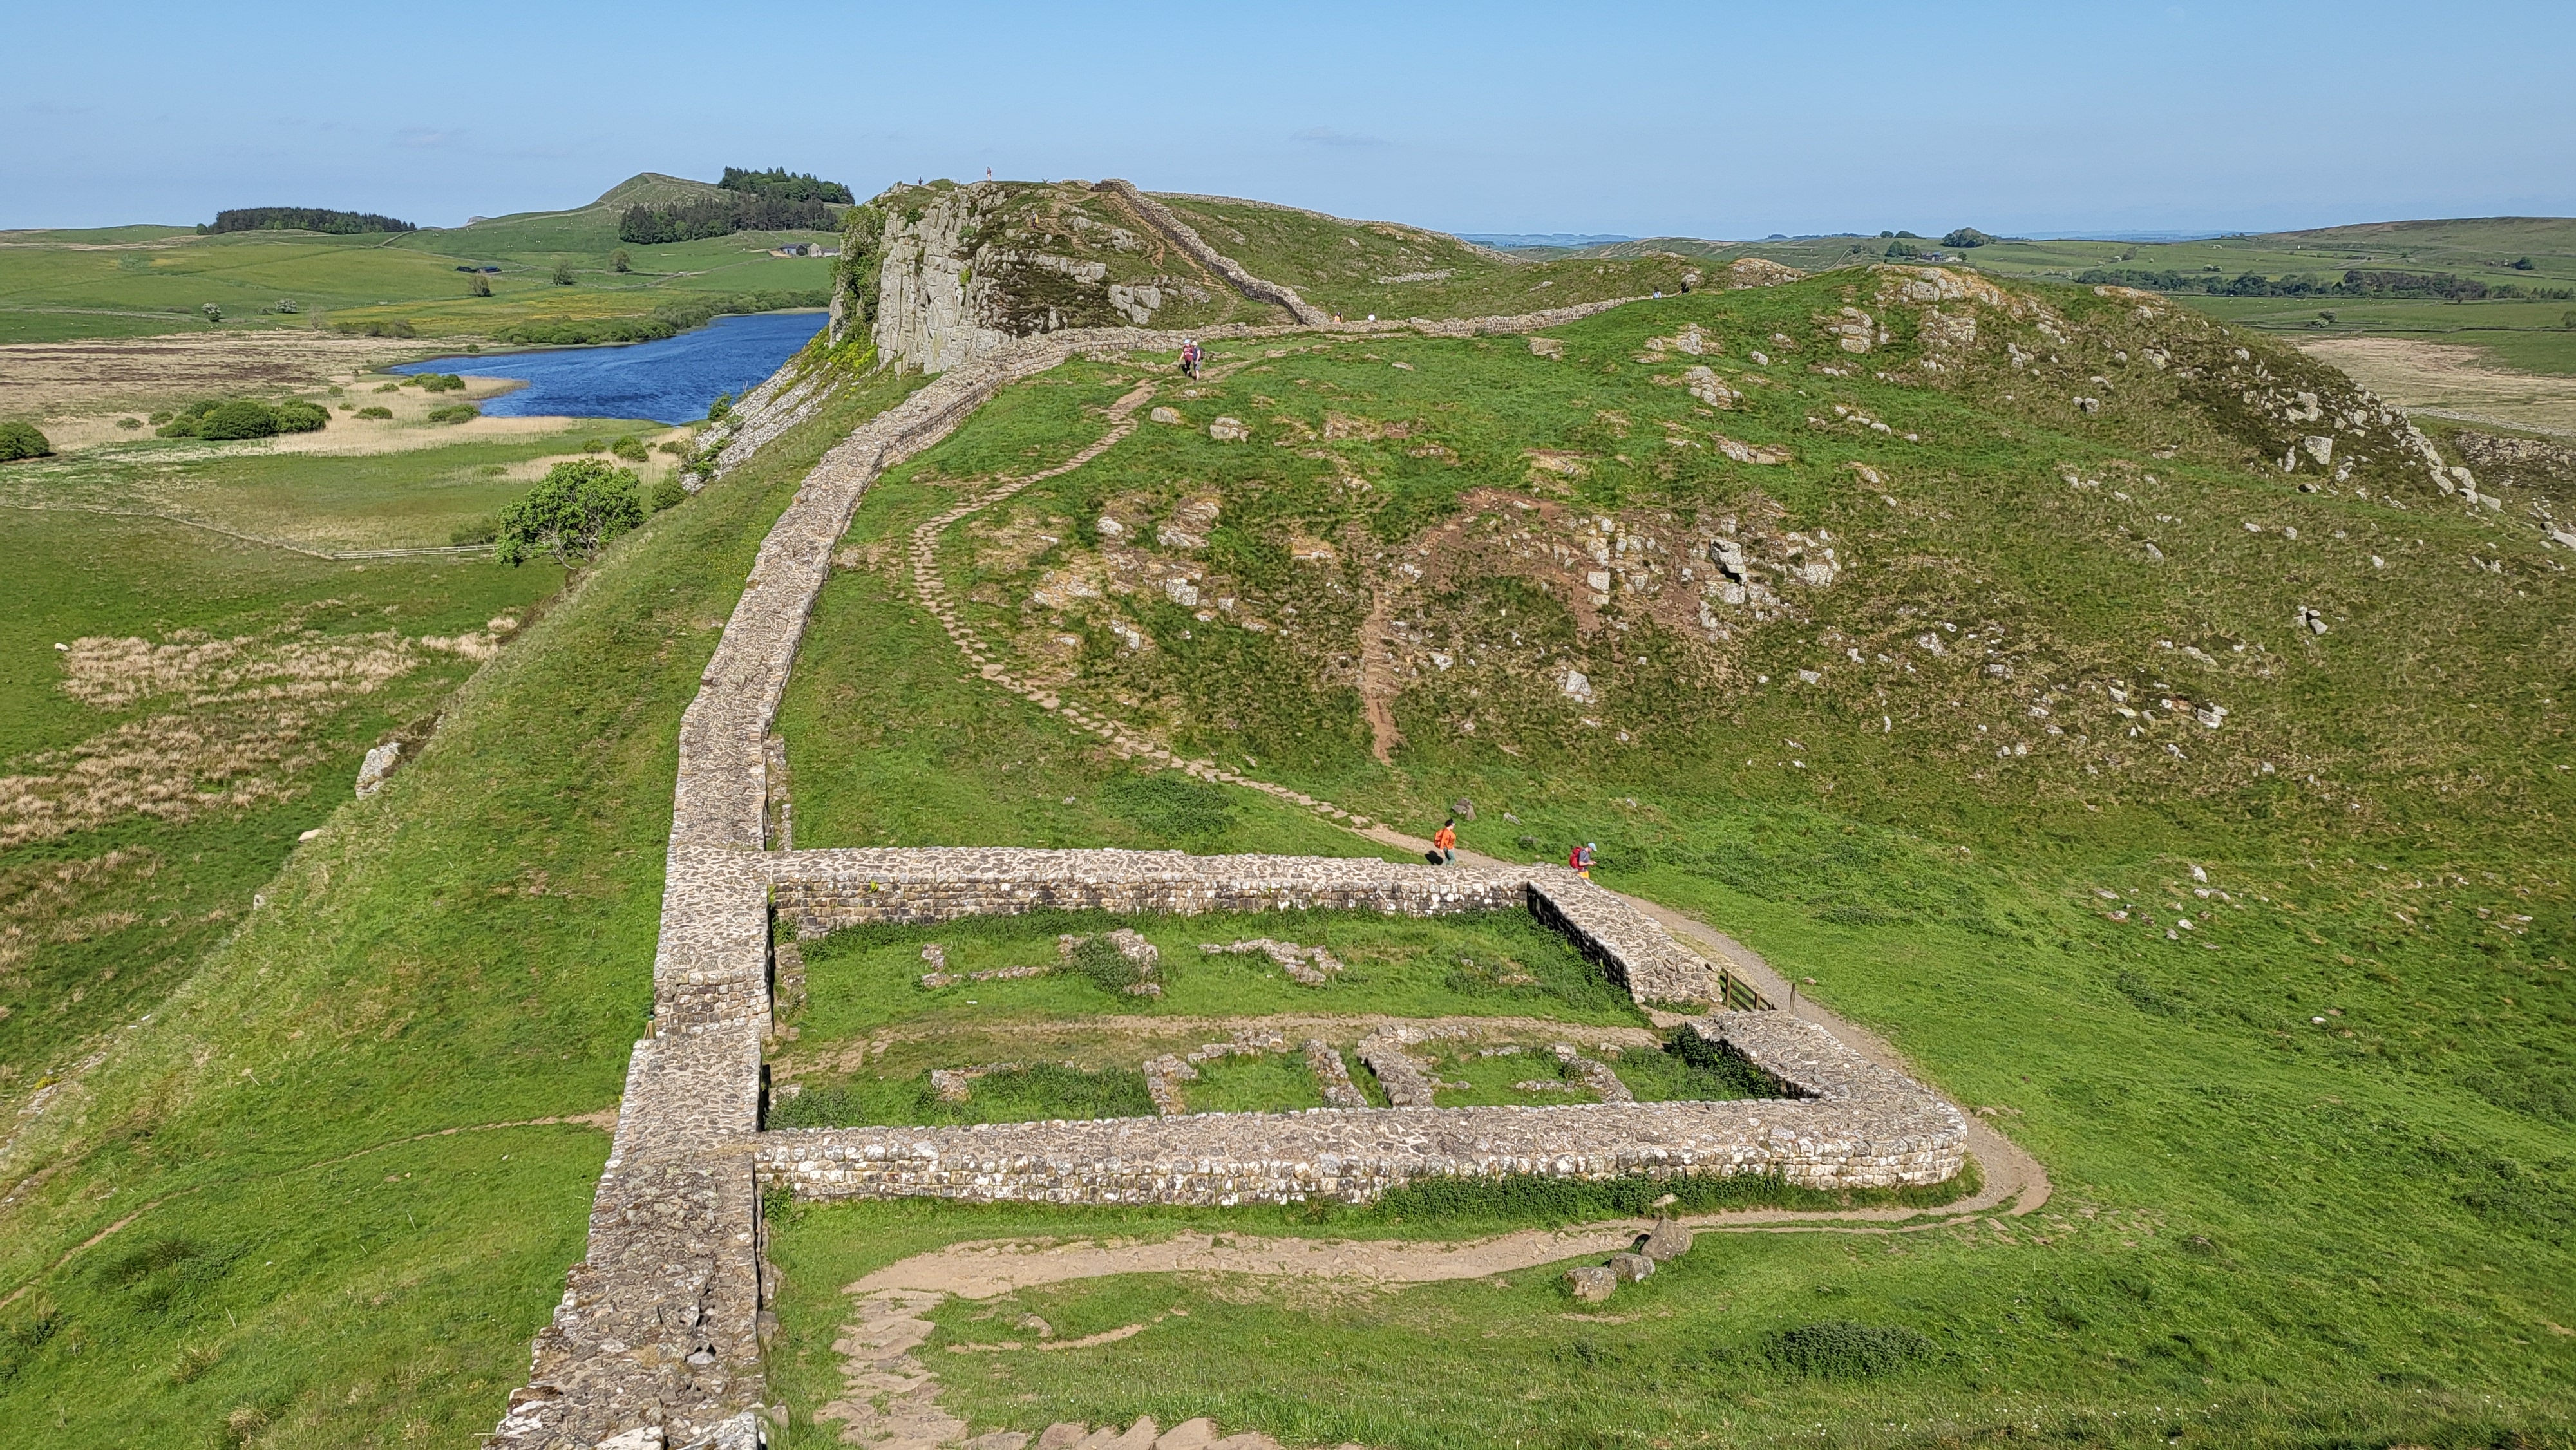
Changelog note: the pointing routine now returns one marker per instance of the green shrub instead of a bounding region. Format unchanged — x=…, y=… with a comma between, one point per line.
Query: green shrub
x=563, y=274
x=441, y=383
x=1108, y=968
x=629, y=448
x=619, y=262
x=1842, y=1350
x=296, y=415
x=22, y=440
x=573, y=510
x=398, y=327
x=137, y=422
x=375, y=412
x=669, y=493
x=455, y=413
x=594, y=445
x=234, y=418
x=722, y=405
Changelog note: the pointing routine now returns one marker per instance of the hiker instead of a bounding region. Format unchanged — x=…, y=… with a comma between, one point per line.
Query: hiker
x=1444, y=842
x=1190, y=358
x=1582, y=857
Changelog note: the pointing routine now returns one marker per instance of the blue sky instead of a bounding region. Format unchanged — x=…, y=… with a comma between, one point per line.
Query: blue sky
x=1706, y=119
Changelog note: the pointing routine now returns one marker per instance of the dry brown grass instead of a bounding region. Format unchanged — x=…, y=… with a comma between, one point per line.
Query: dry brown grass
x=2452, y=381
x=43, y=379
x=243, y=721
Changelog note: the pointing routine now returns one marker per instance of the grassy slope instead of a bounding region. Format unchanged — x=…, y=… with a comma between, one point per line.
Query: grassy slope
x=471, y=947
x=1343, y=266
x=104, y=922
x=2533, y=336
x=2268, y=1230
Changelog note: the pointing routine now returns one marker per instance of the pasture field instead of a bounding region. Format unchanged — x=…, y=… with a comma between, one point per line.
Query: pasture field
x=194, y=682
x=131, y=281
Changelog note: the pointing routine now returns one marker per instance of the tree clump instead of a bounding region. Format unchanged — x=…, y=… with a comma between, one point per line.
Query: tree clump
x=301, y=219
x=1968, y=237
x=227, y=419
x=784, y=185
x=22, y=440
x=573, y=511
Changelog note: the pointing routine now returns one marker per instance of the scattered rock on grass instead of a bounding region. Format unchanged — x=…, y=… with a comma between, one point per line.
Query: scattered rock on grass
x=1591, y=1283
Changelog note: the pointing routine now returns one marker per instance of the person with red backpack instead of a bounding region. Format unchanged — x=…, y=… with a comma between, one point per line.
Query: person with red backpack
x=1582, y=857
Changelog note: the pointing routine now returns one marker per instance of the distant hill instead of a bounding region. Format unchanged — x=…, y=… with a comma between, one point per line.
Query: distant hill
x=652, y=188
x=1516, y=241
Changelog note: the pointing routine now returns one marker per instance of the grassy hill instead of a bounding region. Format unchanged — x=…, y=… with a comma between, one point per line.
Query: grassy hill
x=2282, y=1000
x=2256, y=934
x=129, y=281
x=2533, y=335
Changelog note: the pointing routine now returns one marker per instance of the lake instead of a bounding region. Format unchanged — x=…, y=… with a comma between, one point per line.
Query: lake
x=669, y=381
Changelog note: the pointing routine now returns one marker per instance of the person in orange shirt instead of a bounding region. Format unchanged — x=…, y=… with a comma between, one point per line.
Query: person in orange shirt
x=1445, y=842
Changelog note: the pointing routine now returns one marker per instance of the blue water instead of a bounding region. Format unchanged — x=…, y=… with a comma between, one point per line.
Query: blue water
x=670, y=381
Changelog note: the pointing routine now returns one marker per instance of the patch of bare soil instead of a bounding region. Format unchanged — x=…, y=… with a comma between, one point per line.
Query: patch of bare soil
x=2451, y=381
x=41, y=379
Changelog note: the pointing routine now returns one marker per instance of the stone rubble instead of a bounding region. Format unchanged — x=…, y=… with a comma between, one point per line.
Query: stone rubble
x=1312, y=966
x=1325, y=1062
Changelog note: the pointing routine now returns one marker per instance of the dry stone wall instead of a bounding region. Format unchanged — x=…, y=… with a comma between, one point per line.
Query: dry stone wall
x=1188, y=239
x=1857, y=1125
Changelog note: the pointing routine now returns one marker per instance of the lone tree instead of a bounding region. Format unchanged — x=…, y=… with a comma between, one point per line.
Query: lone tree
x=618, y=261
x=563, y=274
x=574, y=509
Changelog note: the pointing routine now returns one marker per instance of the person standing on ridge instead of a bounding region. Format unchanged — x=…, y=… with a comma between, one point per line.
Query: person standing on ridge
x=1582, y=857
x=1444, y=842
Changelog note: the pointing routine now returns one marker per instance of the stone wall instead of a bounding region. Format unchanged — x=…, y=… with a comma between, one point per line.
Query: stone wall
x=1860, y=1126
x=1187, y=238
x=819, y=891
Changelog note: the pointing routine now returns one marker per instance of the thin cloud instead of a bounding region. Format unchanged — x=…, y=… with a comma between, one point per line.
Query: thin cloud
x=1327, y=136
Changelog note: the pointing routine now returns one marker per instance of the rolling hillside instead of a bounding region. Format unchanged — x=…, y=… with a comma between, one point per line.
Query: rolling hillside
x=2156, y=738
x=131, y=281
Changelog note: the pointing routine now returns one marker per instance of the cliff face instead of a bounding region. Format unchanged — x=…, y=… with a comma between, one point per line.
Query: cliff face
x=966, y=269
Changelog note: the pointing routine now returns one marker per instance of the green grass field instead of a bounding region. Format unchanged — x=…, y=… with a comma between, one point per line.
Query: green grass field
x=460, y=951
x=2533, y=336
x=2311, y=1153
x=128, y=281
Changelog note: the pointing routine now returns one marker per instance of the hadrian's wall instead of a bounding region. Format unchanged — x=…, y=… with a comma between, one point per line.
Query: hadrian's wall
x=1858, y=1126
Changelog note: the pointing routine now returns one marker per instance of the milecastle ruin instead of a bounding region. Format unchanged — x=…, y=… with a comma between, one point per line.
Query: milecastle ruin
x=659, y=1337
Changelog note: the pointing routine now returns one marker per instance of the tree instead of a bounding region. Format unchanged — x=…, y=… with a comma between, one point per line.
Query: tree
x=618, y=261
x=1968, y=237
x=573, y=510
x=21, y=440
x=477, y=285
x=213, y=313
x=563, y=274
